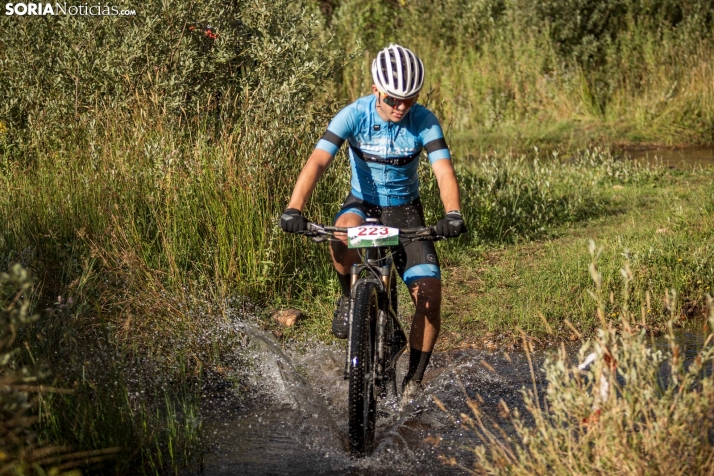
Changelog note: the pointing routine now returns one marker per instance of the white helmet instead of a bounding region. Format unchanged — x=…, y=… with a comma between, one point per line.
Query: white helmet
x=398, y=72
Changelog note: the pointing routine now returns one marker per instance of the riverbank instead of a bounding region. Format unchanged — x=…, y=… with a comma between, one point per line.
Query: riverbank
x=665, y=234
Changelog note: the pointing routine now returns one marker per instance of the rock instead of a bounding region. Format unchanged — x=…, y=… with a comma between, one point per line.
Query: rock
x=288, y=317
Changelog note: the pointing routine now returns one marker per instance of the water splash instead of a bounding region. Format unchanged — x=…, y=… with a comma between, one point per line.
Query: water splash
x=294, y=421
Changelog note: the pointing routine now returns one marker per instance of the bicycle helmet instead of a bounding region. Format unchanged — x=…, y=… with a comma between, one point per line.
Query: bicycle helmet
x=398, y=72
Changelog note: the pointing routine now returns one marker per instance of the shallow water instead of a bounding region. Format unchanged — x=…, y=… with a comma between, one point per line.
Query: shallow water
x=677, y=158
x=295, y=421
x=296, y=427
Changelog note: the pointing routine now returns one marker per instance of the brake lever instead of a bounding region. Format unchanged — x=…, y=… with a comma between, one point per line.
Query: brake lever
x=316, y=233
x=319, y=238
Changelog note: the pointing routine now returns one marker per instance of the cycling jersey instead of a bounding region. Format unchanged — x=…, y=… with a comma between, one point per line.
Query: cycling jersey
x=384, y=155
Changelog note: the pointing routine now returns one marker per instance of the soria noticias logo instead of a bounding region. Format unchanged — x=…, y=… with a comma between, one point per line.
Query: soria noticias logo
x=97, y=9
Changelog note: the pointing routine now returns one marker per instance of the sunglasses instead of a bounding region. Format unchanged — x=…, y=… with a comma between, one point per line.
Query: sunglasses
x=394, y=102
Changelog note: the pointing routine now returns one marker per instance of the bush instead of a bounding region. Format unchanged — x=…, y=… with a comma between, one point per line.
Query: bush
x=218, y=60
x=145, y=167
x=530, y=70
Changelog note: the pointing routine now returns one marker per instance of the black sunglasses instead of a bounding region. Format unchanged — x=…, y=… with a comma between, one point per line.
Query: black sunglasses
x=393, y=102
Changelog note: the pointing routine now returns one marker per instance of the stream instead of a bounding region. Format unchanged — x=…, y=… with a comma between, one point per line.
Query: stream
x=295, y=420
x=675, y=158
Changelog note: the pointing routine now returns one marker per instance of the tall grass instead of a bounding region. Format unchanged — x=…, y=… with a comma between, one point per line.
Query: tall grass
x=512, y=73
x=147, y=208
x=635, y=409
x=515, y=198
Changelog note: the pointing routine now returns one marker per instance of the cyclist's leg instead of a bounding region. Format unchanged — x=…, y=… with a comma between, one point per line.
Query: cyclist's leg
x=352, y=213
x=426, y=294
x=418, y=265
x=342, y=257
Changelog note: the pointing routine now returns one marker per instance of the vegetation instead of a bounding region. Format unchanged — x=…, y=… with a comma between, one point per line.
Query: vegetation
x=144, y=162
x=146, y=209
x=658, y=218
x=508, y=73
x=635, y=408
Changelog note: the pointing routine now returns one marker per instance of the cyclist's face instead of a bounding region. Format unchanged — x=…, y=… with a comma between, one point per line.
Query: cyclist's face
x=392, y=109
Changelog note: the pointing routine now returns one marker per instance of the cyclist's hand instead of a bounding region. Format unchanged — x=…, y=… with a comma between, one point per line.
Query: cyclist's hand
x=292, y=221
x=451, y=226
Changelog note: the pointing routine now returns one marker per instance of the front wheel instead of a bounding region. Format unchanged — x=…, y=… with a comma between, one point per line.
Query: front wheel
x=362, y=397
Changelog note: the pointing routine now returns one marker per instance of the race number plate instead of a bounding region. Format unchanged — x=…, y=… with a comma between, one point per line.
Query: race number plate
x=367, y=236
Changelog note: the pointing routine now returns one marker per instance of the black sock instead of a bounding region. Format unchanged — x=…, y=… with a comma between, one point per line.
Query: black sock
x=418, y=361
x=345, y=282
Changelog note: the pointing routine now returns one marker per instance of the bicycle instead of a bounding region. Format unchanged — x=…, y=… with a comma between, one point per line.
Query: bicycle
x=376, y=339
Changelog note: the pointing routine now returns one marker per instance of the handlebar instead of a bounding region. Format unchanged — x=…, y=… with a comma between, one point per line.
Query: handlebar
x=317, y=231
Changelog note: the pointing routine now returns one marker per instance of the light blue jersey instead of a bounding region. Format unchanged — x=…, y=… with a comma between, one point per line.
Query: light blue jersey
x=384, y=156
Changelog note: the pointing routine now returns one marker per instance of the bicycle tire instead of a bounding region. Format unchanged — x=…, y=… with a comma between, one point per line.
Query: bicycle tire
x=362, y=399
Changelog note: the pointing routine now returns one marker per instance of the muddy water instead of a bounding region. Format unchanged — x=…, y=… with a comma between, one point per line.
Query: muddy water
x=678, y=158
x=295, y=421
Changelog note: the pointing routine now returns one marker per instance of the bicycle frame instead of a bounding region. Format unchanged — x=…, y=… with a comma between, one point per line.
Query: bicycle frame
x=375, y=338
x=384, y=275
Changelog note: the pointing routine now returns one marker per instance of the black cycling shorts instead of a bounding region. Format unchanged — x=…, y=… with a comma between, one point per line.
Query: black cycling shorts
x=414, y=260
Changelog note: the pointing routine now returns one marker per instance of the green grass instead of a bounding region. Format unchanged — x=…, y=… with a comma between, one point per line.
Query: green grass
x=527, y=251
x=662, y=231
x=131, y=243
x=146, y=235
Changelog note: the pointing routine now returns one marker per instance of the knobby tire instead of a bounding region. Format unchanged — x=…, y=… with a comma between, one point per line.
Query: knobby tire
x=362, y=397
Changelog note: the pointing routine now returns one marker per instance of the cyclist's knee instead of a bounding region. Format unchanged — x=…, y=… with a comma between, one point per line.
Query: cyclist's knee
x=346, y=220
x=349, y=219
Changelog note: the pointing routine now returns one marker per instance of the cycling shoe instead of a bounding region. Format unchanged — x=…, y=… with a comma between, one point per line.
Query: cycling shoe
x=340, y=321
x=410, y=391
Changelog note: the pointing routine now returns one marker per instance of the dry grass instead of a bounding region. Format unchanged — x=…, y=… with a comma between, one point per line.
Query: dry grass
x=635, y=409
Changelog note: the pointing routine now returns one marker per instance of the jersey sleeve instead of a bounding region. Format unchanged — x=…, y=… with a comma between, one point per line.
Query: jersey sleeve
x=433, y=139
x=340, y=128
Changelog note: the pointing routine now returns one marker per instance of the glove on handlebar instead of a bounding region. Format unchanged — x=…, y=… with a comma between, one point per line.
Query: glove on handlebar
x=451, y=226
x=292, y=221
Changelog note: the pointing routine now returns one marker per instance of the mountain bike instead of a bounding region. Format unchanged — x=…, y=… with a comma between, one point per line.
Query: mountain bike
x=376, y=339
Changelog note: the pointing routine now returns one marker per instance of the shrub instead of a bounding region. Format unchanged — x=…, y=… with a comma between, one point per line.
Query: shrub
x=635, y=407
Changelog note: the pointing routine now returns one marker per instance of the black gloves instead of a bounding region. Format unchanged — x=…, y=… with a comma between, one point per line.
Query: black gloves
x=452, y=225
x=292, y=221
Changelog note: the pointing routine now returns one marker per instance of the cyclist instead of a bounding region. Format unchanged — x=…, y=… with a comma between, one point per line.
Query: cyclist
x=385, y=133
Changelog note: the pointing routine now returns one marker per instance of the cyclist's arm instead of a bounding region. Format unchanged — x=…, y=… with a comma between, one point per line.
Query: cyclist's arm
x=340, y=127
x=448, y=186
x=312, y=171
x=440, y=158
